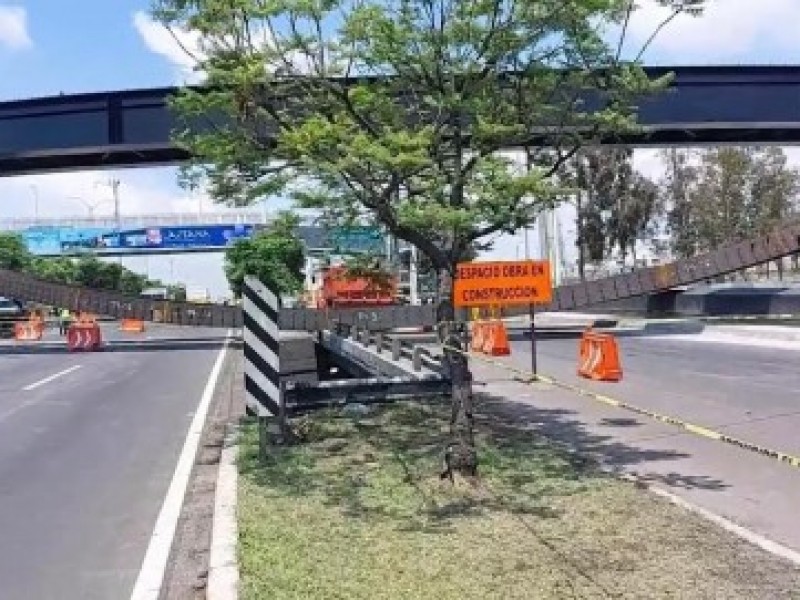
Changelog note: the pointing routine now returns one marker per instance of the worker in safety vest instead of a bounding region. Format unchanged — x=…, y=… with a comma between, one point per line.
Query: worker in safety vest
x=64, y=320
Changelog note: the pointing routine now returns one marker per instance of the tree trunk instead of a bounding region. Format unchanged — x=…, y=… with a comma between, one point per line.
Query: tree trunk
x=460, y=455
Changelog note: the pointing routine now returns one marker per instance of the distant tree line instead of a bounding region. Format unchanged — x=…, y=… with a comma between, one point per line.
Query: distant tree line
x=87, y=271
x=705, y=198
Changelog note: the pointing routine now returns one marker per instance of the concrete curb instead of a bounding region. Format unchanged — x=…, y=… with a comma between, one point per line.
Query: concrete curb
x=223, y=570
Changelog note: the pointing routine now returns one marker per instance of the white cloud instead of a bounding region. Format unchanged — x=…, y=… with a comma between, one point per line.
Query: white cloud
x=14, y=28
x=180, y=47
x=727, y=30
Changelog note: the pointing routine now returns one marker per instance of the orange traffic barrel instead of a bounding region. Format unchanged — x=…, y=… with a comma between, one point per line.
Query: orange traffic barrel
x=598, y=357
x=496, y=341
x=84, y=336
x=132, y=325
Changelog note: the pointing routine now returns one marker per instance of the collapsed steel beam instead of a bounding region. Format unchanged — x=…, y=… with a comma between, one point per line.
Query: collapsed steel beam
x=780, y=242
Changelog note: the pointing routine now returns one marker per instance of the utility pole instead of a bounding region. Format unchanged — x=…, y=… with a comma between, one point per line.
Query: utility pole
x=35, y=192
x=413, y=277
x=114, y=183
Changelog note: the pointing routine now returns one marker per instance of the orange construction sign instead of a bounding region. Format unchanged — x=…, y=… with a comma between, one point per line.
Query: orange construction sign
x=503, y=283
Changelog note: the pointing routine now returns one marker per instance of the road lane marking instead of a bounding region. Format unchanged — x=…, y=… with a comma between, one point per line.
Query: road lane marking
x=41, y=382
x=151, y=576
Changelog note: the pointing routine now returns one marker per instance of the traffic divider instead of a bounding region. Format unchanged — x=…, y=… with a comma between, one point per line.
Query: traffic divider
x=490, y=337
x=84, y=336
x=496, y=341
x=28, y=331
x=132, y=325
x=478, y=335
x=598, y=357
x=86, y=318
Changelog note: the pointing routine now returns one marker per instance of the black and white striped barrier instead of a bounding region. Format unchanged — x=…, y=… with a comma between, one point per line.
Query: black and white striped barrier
x=261, y=349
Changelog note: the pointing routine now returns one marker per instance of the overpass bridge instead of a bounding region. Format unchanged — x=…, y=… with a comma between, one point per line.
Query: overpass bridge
x=705, y=105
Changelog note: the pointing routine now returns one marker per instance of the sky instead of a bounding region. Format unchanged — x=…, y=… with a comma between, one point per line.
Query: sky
x=49, y=47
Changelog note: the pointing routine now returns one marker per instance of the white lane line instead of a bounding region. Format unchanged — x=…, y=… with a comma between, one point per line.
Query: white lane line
x=151, y=576
x=41, y=382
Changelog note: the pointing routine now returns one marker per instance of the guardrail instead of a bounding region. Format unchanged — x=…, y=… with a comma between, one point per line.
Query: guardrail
x=419, y=355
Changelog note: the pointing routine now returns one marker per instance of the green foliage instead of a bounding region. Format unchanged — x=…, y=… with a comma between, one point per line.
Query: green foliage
x=616, y=205
x=94, y=273
x=276, y=256
x=396, y=110
x=371, y=269
x=726, y=194
x=177, y=292
x=61, y=270
x=132, y=283
x=88, y=271
x=14, y=254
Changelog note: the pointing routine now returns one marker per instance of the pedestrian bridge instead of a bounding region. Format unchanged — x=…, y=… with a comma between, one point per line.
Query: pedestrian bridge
x=705, y=105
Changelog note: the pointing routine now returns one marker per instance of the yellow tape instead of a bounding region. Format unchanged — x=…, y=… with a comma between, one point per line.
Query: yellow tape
x=529, y=377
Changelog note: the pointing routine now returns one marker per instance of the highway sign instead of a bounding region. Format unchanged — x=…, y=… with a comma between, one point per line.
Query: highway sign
x=503, y=283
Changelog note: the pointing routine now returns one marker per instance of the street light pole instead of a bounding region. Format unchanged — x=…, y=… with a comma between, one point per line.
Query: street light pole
x=35, y=192
x=115, y=190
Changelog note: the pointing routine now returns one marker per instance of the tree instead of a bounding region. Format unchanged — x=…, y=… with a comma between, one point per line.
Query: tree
x=395, y=111
x=774, y=189
x=730, y=194
x=726, y=194
x=132, y=283
x=61, y=270
x=276, y=256
x=14, y=253
x=94, y=273
x=177, y=292
x=632, y=217
x=677, y=189
x=615, y=205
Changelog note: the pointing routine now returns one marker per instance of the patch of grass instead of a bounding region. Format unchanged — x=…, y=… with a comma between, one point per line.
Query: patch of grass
x=358, y=511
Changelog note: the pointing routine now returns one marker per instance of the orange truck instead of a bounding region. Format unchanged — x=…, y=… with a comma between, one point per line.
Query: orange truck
x=340, y=291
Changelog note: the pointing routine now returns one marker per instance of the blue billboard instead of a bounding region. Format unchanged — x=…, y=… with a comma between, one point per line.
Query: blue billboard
x=54, y=241
x=69, y=241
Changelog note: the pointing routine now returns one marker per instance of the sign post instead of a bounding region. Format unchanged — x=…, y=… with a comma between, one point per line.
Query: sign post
x=531, y=314
x=505, y=283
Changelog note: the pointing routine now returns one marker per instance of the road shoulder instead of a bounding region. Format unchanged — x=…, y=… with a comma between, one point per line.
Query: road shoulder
x=751, y=490
x=187, y=575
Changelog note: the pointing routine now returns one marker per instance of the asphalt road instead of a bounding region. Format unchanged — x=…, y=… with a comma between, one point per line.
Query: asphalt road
x=88, y=446
x=746, y=391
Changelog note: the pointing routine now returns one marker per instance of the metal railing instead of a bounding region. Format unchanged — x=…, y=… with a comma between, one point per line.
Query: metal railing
x=139, y=221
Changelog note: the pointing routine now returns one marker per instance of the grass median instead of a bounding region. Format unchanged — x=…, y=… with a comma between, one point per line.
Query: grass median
x=358, y=511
